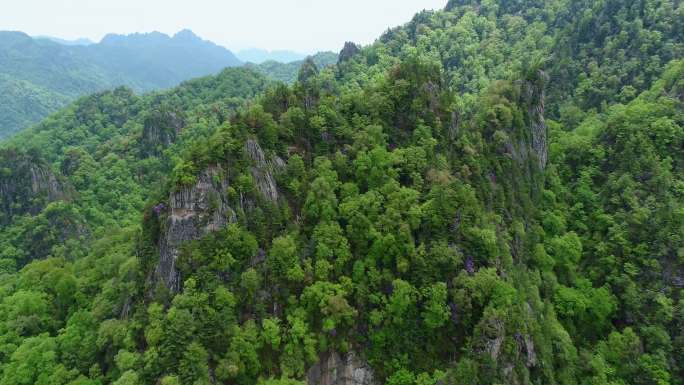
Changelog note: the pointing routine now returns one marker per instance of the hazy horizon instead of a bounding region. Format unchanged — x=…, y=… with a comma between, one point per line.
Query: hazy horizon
x=303, y=26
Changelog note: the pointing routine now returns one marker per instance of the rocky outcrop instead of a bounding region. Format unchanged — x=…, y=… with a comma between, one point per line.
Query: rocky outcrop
x=534, y=87
x=262, y=170
x=531, y=354
x=493, y=337
x=44, y=181
x=26, y=185
x=340, y=369
x=193, y=212
x=160, y=130
x=197, y=210
x=349, y=50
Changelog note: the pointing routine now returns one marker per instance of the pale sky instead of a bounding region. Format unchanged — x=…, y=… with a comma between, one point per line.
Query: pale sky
x=306, y=26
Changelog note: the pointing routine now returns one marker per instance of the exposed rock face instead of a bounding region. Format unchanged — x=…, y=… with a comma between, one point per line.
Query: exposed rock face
x=195, y=211
x=44, y=181
x=530, y=352
x=454, y=126
x=349, y=50
x=494, y=338
x=26, y=185
x=336, y=369
x=262, y=171
x=307, y=70
x=160, y=130
x=535, y=96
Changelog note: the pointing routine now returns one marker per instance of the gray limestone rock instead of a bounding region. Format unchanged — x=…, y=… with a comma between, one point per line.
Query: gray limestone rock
x=535, y=95
x=349, y=50
x=340, y=369
x=262, y=171
x=195, y=211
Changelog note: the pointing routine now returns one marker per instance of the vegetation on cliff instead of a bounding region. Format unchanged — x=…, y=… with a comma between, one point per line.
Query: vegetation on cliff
x=491, y=193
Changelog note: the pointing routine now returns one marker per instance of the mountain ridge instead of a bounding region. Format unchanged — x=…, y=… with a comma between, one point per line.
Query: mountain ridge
x=143, y=62
x=258, y=55
x=77, y=41
x=487, y=194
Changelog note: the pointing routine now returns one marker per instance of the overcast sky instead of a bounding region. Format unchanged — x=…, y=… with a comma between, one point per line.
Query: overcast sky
x=301, y=25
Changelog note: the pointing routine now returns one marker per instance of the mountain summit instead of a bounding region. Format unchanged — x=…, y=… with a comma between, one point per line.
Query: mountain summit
x=187, y=36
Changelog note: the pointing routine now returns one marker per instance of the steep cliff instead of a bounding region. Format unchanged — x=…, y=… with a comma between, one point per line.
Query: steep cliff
x=160, y=129
x=349, y=50
x=340, y=369
x=262, y=170
x=26, y=184
x=534, y=94
x=37, y=205
x=205, y=206
x=193, y=212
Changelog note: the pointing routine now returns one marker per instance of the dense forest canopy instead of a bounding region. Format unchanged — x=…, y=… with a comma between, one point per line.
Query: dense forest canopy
x=492, y=193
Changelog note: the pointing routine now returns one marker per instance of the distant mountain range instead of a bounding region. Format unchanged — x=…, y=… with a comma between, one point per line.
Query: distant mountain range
x=258, y=56
x=80, y=41
x=287, y=72
x=40, y=75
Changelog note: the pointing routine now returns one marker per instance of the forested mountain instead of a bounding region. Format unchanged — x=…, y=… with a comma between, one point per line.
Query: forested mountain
x=38, y=76
x=287, y=72
x=258, y=56
x=492, y=193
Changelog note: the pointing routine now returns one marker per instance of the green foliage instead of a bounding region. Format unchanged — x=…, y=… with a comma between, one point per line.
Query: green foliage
x=393, y=207
x=40, y=76
x=287, y=72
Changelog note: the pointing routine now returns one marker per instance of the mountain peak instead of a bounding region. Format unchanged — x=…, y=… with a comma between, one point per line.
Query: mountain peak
x=186, y=35
x=149, y=37
x=155, y=37
x=8, y=38
x=14, y=34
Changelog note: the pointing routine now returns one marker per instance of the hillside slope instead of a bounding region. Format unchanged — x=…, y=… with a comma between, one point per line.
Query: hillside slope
x=489, y=194
x=39, y=76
